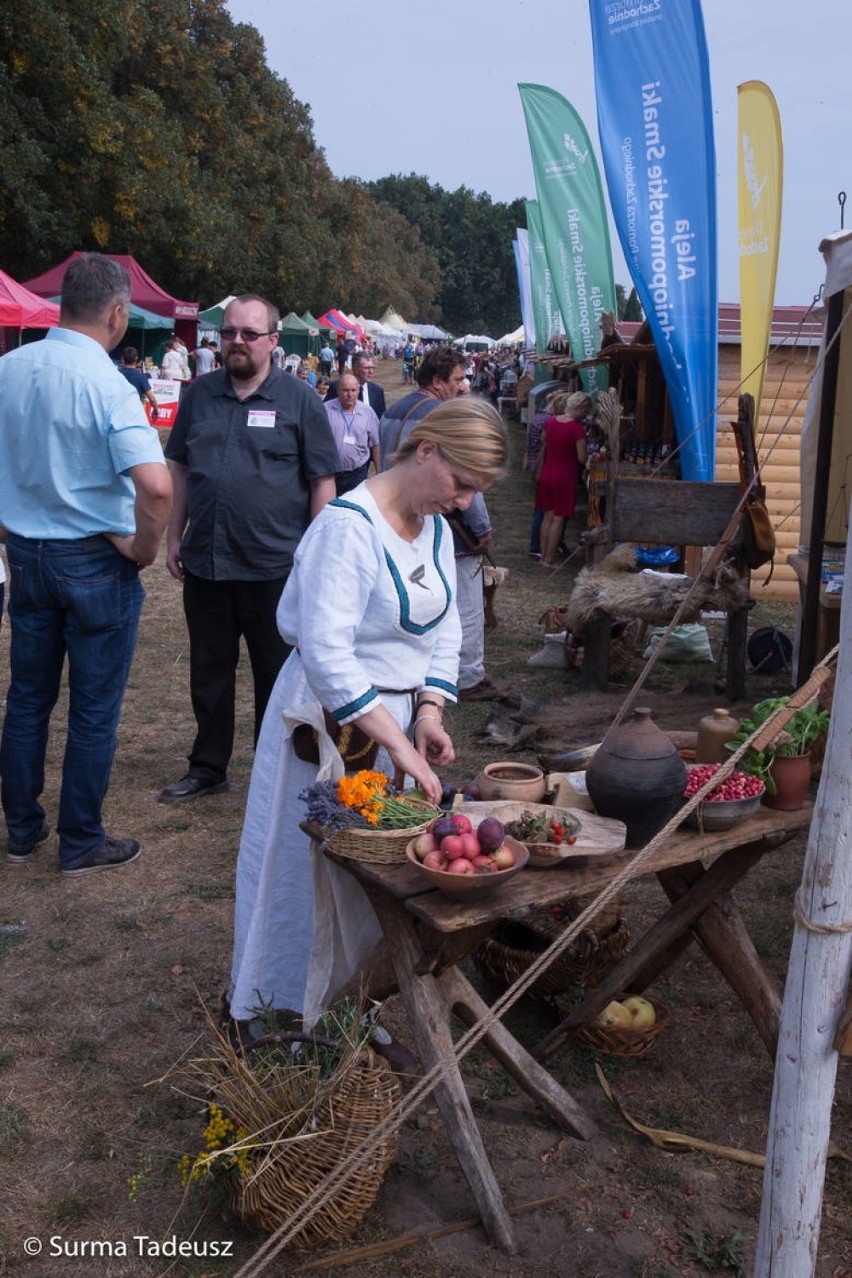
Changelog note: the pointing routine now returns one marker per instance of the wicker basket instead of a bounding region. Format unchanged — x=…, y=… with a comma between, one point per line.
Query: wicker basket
x=289, y=1172
x=622, y=1040
x=503, y=957
x=382, y=847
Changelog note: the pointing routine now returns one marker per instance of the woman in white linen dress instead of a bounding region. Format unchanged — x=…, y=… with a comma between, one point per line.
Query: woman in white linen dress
x=370, y=609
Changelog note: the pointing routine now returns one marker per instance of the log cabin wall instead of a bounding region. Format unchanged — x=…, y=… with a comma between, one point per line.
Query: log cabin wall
x=783, y=403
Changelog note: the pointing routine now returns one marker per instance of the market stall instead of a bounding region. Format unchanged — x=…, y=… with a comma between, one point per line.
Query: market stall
x=144, y=292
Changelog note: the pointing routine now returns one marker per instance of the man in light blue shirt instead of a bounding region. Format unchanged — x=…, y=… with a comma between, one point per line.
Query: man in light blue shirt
x=84, y=500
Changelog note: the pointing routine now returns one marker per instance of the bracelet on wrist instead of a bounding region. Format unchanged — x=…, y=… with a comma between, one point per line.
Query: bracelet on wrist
x=425, y=701
x=421, y=718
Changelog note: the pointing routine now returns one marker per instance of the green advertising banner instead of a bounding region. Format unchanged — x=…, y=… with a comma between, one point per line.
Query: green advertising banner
x=546, y=316
x=573, y=221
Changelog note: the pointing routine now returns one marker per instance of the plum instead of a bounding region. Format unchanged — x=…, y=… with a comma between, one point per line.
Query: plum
x=490, y=834
x=442, y=827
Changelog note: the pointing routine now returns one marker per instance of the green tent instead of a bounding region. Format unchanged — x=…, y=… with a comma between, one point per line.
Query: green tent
x=312, y=322
x=315, y=344
x=213, y=316
x=294, y=335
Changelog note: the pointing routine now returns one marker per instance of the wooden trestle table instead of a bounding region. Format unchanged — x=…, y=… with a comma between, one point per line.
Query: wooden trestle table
x=428, y=933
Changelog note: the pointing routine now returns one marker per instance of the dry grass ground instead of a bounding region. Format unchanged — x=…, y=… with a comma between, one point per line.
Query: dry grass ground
x=105, y=980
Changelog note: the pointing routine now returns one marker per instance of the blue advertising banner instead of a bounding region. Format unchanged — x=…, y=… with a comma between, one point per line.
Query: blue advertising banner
x=655, y=120
x=521, y=246
x=573, y=219
x=546, y=316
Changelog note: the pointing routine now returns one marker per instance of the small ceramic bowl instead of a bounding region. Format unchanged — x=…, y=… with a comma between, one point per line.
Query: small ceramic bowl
x=467, y=886
x=522, y=781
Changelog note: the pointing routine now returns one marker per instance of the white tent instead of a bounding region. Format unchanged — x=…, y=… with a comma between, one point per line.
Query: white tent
x=429, y=332
x=512, y=339
x=477, y=342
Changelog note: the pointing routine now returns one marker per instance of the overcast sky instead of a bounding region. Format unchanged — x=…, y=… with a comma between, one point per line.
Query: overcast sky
x=432, y=89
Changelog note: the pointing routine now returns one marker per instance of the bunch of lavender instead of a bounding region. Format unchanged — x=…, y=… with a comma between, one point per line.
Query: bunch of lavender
x=326, y=810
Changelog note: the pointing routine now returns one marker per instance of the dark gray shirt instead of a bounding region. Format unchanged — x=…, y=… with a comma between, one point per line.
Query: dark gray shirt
x=249, y=464
x=395, y=427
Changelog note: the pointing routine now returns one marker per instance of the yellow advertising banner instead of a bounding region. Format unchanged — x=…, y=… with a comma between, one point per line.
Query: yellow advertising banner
x=760, y=178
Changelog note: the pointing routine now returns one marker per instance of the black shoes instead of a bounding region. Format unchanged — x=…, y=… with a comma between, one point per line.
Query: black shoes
x=21, y=856
x=113, y=854
x=190, y=787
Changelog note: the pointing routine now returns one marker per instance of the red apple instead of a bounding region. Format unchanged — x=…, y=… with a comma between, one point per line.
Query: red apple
x=470, y=845
x=484, y=865
x=461, y=822
x=452, y=846
x=435, y=860
x=424, y=843
x=460, y=866
x=503, y=857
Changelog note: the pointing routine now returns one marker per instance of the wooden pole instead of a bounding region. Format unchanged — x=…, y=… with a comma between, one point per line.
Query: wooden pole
x=810, y=607
x=814, y=999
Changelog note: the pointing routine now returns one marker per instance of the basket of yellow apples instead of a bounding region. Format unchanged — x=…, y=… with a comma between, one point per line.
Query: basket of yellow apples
x=625, y=1027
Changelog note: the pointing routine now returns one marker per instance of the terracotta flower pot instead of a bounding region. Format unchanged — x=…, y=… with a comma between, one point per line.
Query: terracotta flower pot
x=792, y=776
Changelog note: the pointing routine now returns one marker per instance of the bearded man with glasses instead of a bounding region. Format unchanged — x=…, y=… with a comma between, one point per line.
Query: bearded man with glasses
x=253, y=460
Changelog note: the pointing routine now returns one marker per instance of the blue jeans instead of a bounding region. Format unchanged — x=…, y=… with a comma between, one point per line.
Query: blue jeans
x=83, y=598
x=535, y=532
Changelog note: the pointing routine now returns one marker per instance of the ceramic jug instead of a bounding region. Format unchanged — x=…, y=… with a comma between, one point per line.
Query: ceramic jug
x=638, y=777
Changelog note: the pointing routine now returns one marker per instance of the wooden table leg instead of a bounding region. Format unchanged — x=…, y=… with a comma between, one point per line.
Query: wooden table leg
x=430, y=1014
x=643, y=961
x=724, y=937
x=515, y=1059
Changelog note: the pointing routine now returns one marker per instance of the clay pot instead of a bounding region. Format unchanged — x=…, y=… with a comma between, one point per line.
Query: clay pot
x=638, y=777
x=523, y=782
x=792, y=776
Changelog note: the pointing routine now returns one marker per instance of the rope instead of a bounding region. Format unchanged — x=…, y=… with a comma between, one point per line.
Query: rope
x=327, y=1188
x=821, y=929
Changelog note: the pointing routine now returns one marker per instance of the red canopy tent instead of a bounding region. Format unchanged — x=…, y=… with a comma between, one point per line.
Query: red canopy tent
x=144, y=292
x=334, y=319
x=19, y=308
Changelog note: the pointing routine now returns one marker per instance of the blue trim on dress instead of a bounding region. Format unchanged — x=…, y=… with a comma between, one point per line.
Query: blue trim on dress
x=409, y=626
x=353, y=707
x=449, y=688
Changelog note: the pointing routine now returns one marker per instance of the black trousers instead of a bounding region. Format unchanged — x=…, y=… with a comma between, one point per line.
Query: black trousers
x=218, y=613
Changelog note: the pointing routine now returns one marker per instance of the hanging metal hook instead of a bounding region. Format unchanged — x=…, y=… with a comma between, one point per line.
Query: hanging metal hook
x=841, y=200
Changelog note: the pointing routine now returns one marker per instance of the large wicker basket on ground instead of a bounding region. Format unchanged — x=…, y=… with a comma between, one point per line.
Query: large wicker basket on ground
x=287, y=1175
x=293, y=1120
x=505, y=955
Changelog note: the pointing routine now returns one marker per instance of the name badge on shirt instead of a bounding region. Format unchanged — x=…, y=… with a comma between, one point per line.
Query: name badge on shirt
x=261, y=417
x=349, y=439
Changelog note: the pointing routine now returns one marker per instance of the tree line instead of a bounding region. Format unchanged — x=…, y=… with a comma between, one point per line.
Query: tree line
x=156, y=128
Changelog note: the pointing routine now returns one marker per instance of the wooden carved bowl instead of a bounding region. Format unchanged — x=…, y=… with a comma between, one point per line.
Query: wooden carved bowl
x=469, y=886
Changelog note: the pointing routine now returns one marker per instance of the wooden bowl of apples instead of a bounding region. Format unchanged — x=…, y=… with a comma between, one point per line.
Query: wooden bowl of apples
x=462, y=861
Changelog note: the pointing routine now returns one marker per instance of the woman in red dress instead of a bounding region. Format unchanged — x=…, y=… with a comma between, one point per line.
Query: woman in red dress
x=563, y=448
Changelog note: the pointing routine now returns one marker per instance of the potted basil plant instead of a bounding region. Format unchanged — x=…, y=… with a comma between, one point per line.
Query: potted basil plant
x=785, y=766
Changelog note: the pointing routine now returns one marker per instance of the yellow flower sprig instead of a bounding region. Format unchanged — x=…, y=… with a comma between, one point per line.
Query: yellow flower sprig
x=219, y=1134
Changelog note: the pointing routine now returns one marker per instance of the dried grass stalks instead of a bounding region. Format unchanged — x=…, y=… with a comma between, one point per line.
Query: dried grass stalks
x=614, y=588
x=303, y=1115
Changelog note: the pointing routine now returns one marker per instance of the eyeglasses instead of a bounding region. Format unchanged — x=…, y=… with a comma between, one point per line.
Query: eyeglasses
x=247, y=334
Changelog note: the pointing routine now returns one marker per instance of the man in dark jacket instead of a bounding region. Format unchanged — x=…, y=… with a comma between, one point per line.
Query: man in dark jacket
x=364, y=367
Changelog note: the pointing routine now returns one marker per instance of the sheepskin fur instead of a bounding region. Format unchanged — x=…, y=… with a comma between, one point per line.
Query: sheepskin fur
x=615, y=588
